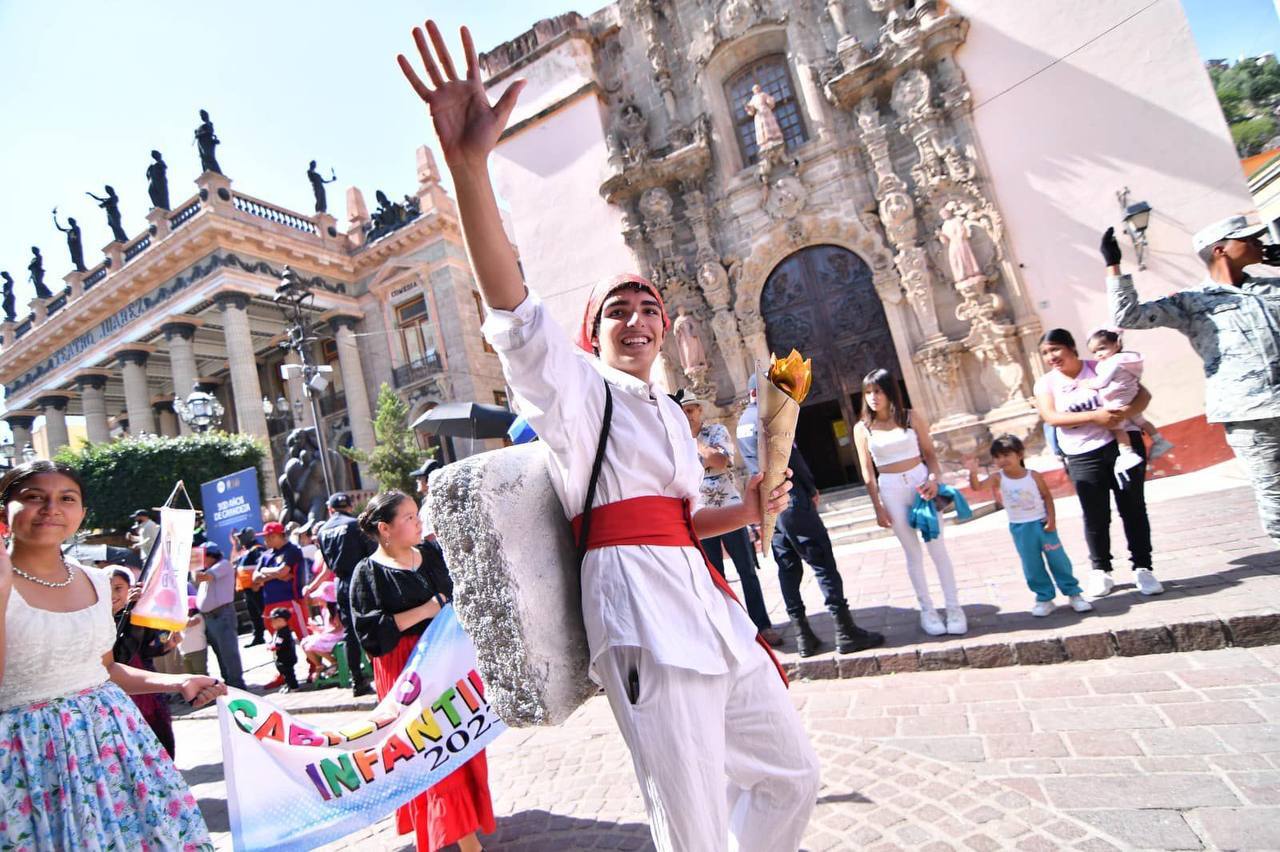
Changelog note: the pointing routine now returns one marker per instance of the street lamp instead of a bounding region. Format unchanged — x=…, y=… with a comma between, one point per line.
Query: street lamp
x=296, y=299
x=28, y=454
x=201, y=410
x=1136, y=218
x=7, y=453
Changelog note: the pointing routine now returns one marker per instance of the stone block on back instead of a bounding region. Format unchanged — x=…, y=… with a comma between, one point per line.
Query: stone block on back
x=516, y=584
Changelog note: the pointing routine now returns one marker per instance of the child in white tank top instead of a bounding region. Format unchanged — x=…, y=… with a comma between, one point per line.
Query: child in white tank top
x=1032, y=523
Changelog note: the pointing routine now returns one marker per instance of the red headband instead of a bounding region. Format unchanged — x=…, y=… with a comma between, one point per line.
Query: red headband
x=600, y=292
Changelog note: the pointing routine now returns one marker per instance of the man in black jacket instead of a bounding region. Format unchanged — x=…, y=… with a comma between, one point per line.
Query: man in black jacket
x=343, y=546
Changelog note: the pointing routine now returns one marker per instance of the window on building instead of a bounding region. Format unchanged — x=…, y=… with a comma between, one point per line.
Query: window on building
x=500, y=400
x=329, y=356
x=480, y=310
x=414, y=329
x=773, y=75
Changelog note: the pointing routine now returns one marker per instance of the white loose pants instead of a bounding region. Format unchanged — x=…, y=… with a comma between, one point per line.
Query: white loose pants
x=723, y=760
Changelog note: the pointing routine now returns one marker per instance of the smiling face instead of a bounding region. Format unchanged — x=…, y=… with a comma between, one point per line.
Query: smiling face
x=119, y=593
x=45, y=510
x=1010, y=463
x=404, y=529
x=1059, y=356
x=631, y=331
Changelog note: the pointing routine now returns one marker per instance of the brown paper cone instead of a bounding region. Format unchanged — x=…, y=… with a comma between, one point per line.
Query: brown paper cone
x=778, y=416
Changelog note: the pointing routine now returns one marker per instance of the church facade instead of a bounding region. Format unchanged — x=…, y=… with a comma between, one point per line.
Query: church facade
x=922, y=191
x=191, y=303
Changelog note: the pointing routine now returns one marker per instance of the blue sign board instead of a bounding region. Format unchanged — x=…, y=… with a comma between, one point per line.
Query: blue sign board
x=231, y=503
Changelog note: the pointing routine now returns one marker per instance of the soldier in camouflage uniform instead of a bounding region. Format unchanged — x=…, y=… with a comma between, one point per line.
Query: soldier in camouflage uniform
x=1232, y=320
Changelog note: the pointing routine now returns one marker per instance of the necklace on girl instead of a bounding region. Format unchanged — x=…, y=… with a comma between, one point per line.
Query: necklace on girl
x=67, y=582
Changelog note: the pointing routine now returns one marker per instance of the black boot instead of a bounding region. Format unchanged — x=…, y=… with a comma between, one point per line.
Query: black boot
x=806, y=640
x=850, y=637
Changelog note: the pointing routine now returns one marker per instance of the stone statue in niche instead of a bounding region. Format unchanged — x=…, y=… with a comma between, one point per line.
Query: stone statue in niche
x=693, y=357
x=761, y=105
x=35, y=274
x=302, y=483
x=317, y=186
x=111, y=204
x=714, y=282
x=206, y=142
x=954, y=234
x=656, y=205
x=633, y=133
x=158, y=182
x=10, y=314
x=75, y=247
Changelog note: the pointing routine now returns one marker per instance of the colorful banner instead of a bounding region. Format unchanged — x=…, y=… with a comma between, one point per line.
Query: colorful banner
x=296, y=785
x=230, y=503
x=163, y=601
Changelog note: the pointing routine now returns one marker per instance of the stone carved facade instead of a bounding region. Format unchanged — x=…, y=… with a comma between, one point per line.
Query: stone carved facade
x=887, y=147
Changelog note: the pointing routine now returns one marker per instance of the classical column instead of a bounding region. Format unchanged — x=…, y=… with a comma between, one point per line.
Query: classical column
x=137, y=399
x=20, y=423
x=245, y=387
x=92, y=387
x=182, y=361
x=353, y=382
x=166, y=419
x=54, y=409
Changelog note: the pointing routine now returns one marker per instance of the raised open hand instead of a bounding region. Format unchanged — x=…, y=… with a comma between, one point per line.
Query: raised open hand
x=467, y=125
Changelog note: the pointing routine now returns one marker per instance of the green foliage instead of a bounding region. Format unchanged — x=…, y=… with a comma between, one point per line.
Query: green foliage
x=1251, y=136
x=138, y=473
x=1249, y=93
x=396, y=454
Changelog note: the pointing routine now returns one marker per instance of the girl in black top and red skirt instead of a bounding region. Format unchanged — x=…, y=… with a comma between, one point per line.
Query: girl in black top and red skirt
x=394, y=595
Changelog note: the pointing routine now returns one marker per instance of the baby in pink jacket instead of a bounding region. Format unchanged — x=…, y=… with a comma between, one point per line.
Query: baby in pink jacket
x=1119, y=373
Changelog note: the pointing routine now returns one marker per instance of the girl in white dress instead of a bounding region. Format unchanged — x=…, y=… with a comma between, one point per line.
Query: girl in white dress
x=79, y=768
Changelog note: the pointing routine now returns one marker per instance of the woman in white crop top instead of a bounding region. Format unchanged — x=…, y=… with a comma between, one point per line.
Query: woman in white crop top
x=79, y=768
x=898, y=463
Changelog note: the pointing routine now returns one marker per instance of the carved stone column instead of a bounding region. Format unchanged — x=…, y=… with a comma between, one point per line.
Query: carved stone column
x=714, y=282
x=897, y=214
x=20, y=423
x=137, y=398
x=54, y=409
x=92, y=387
x=353, y=382
x=180, y=335
x=939, y=364
x=166, y=419
x=246, y=389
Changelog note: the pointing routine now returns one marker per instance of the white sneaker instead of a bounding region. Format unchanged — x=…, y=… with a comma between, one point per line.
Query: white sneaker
x=957, y=623
x=1159, y=447
x=930, y=622
x=1147, y=582
x=1099, y=584
x=1079, y=604
x=1042, y=608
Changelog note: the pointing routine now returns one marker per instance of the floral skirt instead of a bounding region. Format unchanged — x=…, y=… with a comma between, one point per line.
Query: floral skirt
x=85, y=772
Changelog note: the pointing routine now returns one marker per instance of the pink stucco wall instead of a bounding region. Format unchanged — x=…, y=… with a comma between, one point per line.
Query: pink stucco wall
x=549, y=172
x=1131, y=106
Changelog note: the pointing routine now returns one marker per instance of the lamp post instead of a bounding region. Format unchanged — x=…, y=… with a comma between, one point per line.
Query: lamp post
x=281, y=411
x=28, y=454
x=7, y=453
x=296, y=299
x=1136, y=218
x=201, y=410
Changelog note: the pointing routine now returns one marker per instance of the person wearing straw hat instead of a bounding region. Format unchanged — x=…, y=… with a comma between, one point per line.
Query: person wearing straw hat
x=720, y=753
x=1232, y=320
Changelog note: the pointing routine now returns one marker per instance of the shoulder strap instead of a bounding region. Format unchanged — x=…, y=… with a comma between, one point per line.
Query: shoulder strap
x=596, y=465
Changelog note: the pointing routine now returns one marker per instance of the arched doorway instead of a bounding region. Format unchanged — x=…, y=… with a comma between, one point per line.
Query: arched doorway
x=821, y=301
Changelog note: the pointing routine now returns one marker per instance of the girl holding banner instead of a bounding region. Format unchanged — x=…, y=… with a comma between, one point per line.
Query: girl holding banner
x=394, y=595
x=79, y=768
x=716, y=743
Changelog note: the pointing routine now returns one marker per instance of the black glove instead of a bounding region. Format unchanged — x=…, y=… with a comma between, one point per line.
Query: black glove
x=1110, y=248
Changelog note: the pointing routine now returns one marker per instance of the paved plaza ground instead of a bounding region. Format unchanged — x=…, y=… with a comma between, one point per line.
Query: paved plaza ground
x=1138, y=749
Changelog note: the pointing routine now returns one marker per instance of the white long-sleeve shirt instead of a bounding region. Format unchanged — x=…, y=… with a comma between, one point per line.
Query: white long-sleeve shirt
x=661, y=599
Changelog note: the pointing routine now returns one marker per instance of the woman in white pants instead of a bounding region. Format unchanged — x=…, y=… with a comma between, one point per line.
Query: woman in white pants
x=894, y=442
x=721, y=755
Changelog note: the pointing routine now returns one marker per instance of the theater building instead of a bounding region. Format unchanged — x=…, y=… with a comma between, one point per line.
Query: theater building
x=189, y=302
x=934, y=204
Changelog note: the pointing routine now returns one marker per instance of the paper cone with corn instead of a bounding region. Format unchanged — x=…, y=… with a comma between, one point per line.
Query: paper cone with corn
x=780, y=390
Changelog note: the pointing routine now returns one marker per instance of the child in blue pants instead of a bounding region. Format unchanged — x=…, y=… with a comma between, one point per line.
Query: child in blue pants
x=1027, y=500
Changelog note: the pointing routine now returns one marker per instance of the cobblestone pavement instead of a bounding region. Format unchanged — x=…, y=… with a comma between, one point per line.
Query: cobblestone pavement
x=1169, y=751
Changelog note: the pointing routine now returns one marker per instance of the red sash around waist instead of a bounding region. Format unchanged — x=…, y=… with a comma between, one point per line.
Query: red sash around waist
x=657, y=522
